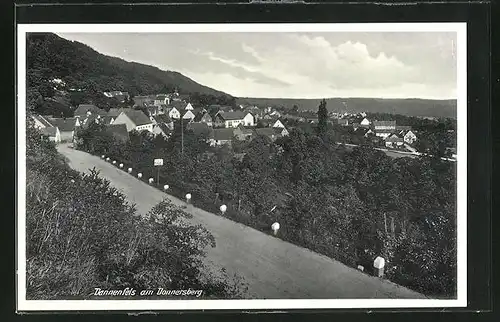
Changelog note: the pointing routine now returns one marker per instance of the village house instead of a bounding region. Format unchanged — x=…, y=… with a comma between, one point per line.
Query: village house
x=204, y=118
x=365, y=122
x=278, y=123
x=219, y=137
x=393, y=140
x=281, y=131
x=243, y=134
x=164, y=119
x=368, y=133
x=134, y=120
x=66, y=127
x=189, y=115
x=141, y=101
x=161, y=129
x=233, y=119
x=161, y=99
x=409, y=137
x=384, y=126
x=272, y=133
x=52, y=133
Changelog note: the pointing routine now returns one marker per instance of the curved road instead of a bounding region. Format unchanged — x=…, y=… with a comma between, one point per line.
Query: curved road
x=273, y=269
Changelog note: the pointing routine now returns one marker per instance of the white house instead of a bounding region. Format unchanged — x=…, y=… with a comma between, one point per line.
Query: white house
x=410, y=137
x=52, y=133
x=278, y=124
x=174, y=113
x=393, y=140
x=161, y=100
x=233, y=119
x=188, y=116
x=189, y=107
x=134, y=120
x=365, y=122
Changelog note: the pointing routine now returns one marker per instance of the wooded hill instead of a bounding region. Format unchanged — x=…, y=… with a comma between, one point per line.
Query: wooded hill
x=89, y=73
x=410, y=107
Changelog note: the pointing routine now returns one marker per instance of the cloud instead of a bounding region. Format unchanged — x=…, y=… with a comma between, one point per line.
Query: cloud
x=308, y=65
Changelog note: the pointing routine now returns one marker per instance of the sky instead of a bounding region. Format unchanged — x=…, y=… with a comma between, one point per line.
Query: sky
x=297, y=65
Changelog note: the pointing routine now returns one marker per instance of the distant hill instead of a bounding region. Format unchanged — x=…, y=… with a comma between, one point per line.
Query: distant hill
x=80, y=66
x=409, y=107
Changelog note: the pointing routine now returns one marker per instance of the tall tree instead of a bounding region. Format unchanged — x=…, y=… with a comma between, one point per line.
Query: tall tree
x=322, y=118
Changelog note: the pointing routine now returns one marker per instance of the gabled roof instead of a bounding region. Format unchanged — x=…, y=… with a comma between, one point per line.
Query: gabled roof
x=115, y=111
x=163, y=127
x=119, y=131
x=230, y=116
x=266, y=131
x=162, y=118
x=178, y=105
x=82, y=109
x=50, y=131
x=137, y=116
x=64, y=124
x=384, y=123
x=222, y=134
x=42, y=119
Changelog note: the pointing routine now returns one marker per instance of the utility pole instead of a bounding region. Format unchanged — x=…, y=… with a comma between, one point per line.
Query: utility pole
x=182, y=136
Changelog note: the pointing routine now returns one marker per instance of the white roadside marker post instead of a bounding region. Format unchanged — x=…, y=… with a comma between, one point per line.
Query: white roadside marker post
x=114, y=162
x=139, y=175
x=188, y=198
x=121, y=165
x=378, y=265
x=275, y=227
x=107, y=159
x=165, y=187
x=103, y=156
x=151, y=180
x=223, y=209
x=129, y=170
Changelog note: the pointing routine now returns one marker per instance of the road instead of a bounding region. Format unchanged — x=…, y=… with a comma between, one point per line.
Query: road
x=273, y=268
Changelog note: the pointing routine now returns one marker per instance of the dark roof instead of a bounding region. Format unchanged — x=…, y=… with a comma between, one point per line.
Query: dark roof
x=384, y=123
x=82, y=109
x=50, y=131
x=161, y=97
x=138, y=117
x=266, y=131
x=64, y=125
x=42, y=119
x=179, y=105
x=119, y=131
x=342, y=121
x=403, y=127
x=162, y=118
x=228, y=116
x=199, y=128
x=163, y=127
x=115, y=111
x=222, y=134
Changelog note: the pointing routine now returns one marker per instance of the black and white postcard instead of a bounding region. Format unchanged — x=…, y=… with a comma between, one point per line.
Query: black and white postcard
x=241, y=166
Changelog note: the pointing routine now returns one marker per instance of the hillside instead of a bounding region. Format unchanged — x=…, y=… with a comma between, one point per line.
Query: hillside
x=82, y=68
x=410, y=107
